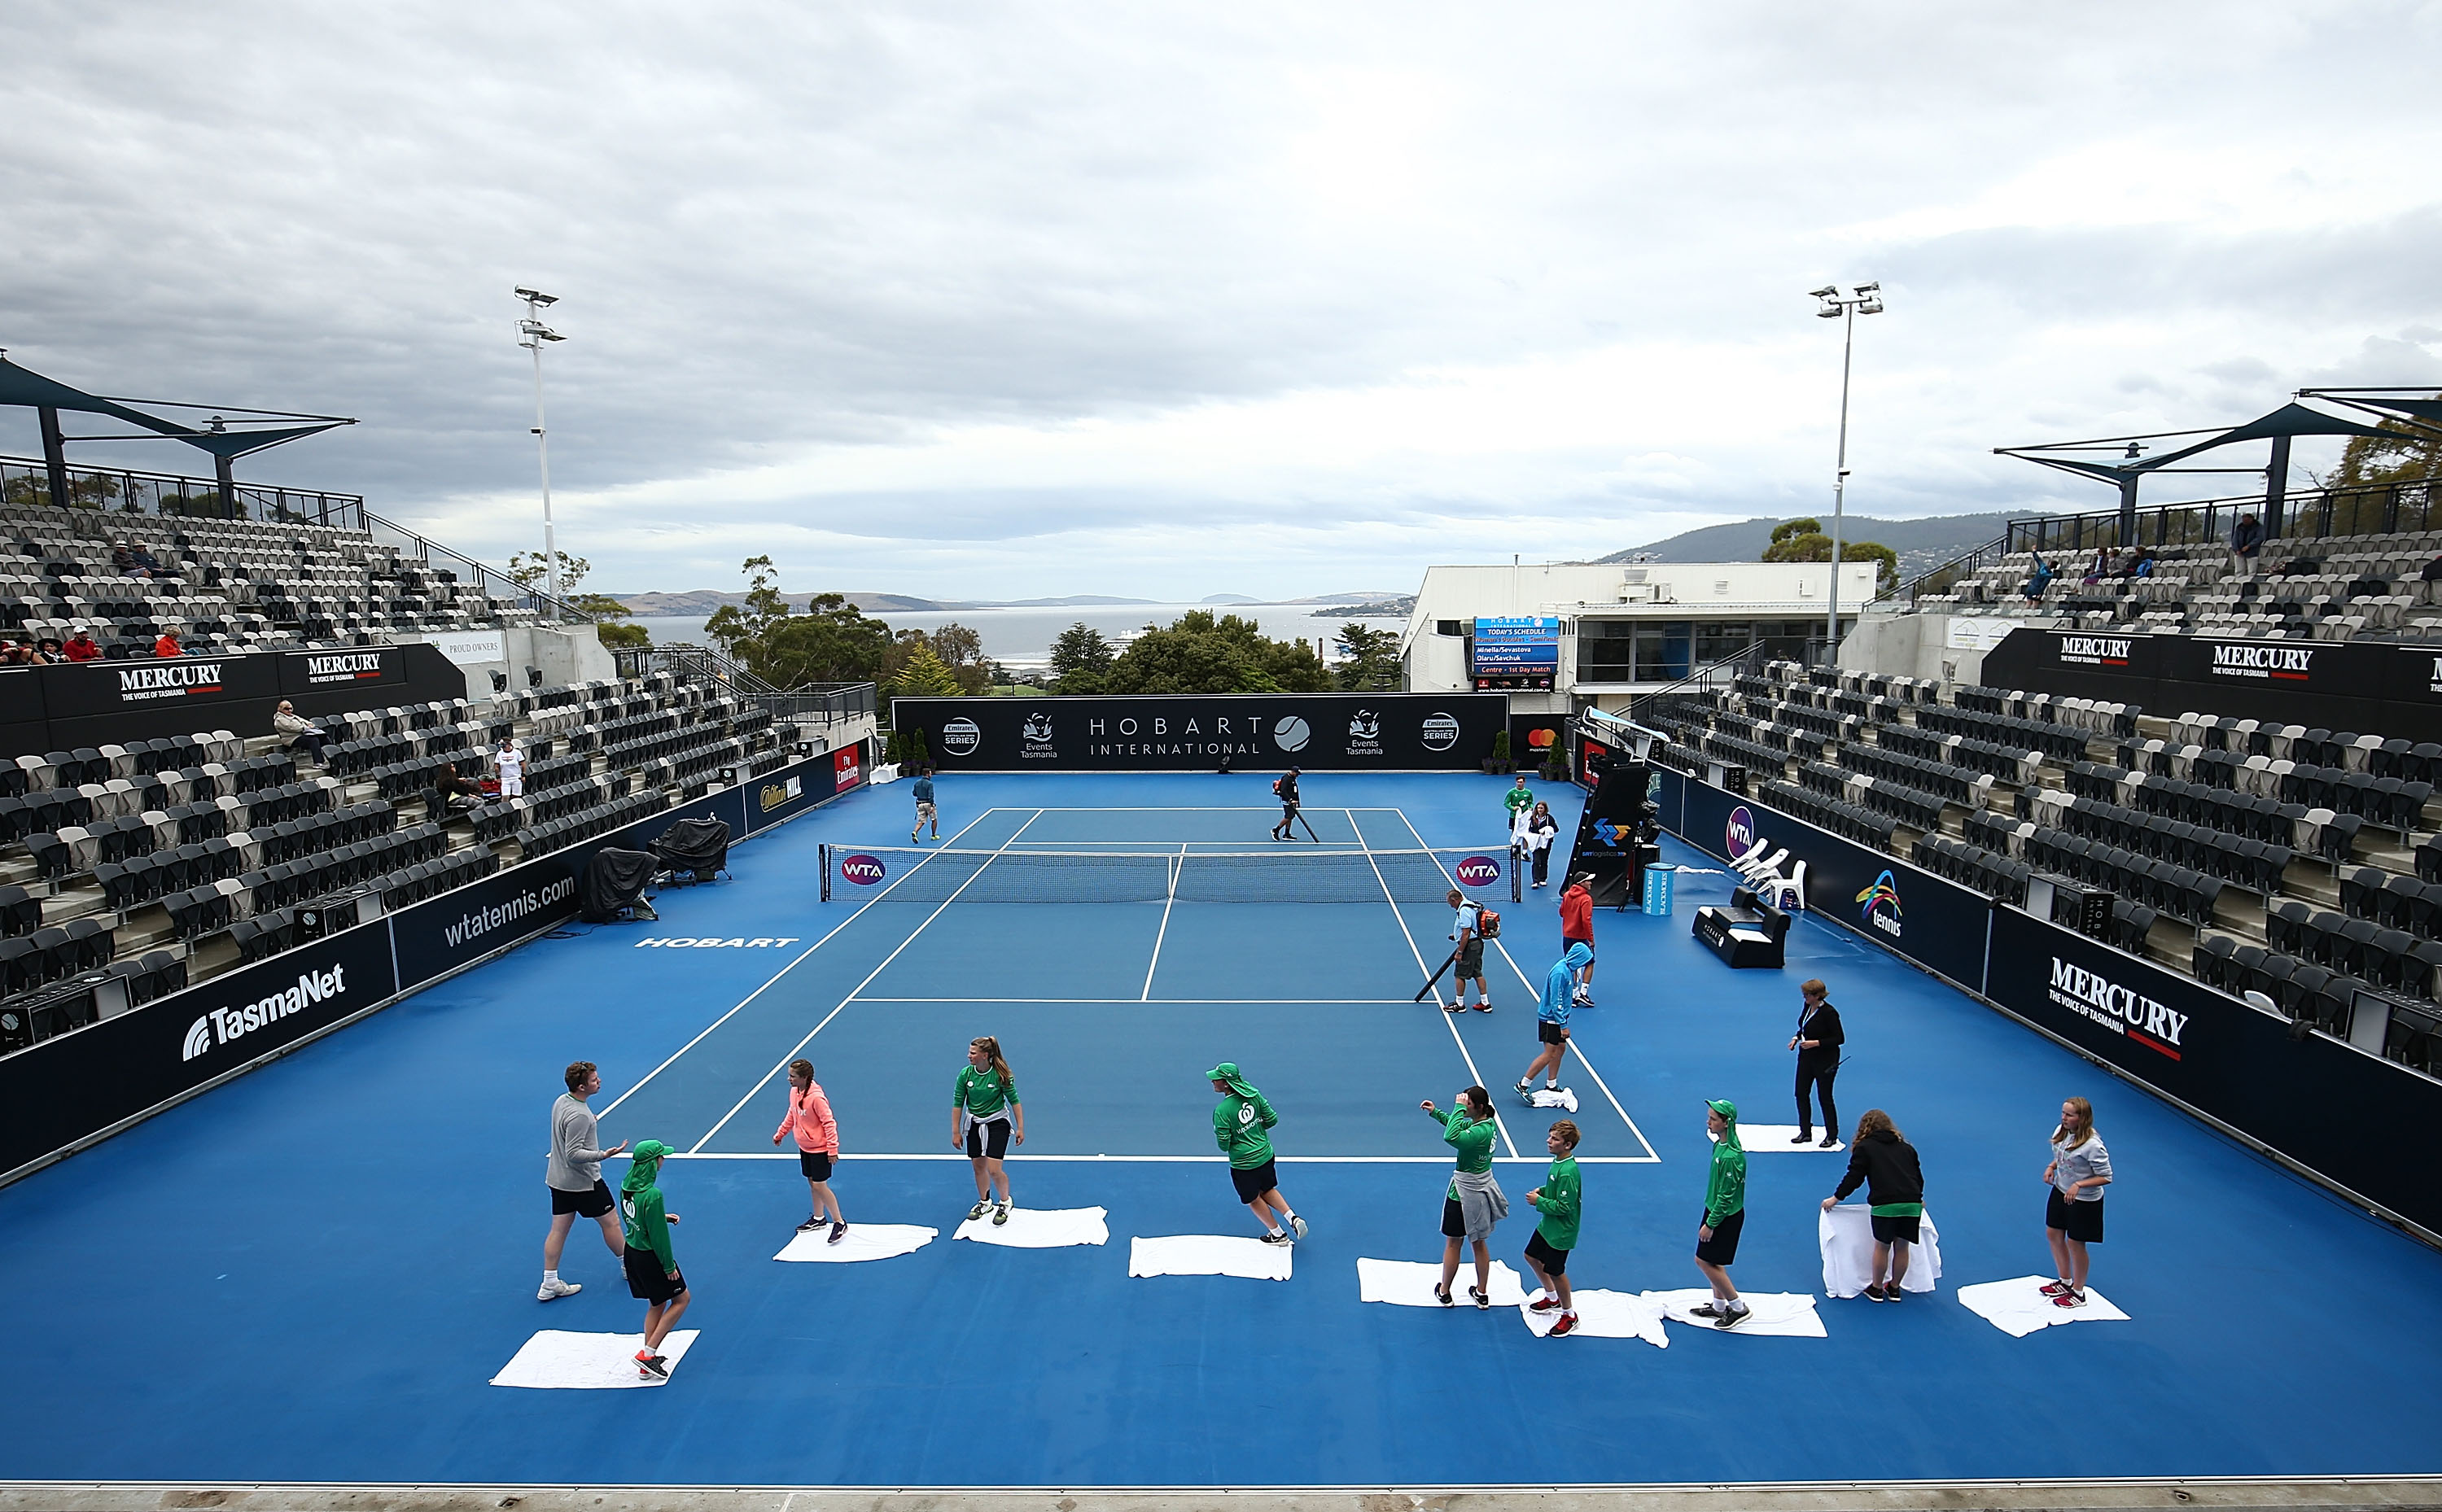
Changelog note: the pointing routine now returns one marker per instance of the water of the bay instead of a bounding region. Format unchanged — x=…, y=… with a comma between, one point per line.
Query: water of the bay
x=1023, y=637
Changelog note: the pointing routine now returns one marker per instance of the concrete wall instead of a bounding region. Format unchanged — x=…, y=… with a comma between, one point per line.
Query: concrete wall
x=1948, y=646
x=572, y=654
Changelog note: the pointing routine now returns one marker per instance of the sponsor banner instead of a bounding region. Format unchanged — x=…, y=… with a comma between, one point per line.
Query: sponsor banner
x=776, y=796
x=471, y=648
x=2225, y=1058
x=359, y=667
x=2335, y=684
x=848, y=768
x=177, y=683
x=864, y=870
x=1477, y=871
x=1932, y=921
x=1975, y=632
x=1535, y=738
x=67, y=1088
x=1258, y=730
x=439, y=935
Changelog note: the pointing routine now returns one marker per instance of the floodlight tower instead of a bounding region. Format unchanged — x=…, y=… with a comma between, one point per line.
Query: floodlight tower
x=1863, y=298
x=532, y=333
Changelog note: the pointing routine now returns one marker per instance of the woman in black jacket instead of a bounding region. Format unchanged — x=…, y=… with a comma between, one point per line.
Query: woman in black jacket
x=1881, y=1160
x=1818, y=1043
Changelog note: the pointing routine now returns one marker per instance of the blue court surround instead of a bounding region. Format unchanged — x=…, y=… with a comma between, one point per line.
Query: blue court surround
x=311, y=1273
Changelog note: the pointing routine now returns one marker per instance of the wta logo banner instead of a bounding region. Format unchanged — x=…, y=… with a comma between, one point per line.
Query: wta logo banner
x=1478, y=871
x=1740, y=833
x=1881, y=902
x=863, y=869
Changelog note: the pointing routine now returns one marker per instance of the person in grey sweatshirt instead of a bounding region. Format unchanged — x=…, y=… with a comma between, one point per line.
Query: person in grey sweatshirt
x=573, y=1173
x=2081, y=1168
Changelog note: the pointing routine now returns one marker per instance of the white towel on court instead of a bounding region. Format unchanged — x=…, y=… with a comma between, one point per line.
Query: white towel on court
x=1778, y=1139
x=1203, y=1254
x=1605, y=1315
x=1847, y=1236
x=2020, y=1307
x=1778, y=1314
x=1410, y=1282
x=863, y=1241
x=555, y=1359
x=1038, y=1228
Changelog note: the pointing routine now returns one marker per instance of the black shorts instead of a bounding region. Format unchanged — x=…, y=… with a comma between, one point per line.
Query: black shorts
x=1470, y=958
x=645, y=1282
x=1566, y=942
x=1550, y=1033
x=2081, y=1221
x=1254, y=1183
x=987, y=1139
x=1453, y=1219
x=1555, y=1262
x=1723, y=1249
x=592, y=1204
x=1896, y=1230
x=817, y=1165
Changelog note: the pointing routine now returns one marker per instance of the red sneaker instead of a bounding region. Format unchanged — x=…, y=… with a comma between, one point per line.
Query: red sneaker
x=2056, y=1288
x=2069, y=1298
x=650, y=1365
x=1567, y=1322
x=1543, y=1305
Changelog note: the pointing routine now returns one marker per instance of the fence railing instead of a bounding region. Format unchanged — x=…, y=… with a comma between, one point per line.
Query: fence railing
x=125, y=491
x=490, y=579
x=2373, y=509
x=816, y=703
x=1712, y=674
x=1949, y=575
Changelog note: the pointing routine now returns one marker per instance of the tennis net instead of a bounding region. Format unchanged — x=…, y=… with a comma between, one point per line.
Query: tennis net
x=1306, y=875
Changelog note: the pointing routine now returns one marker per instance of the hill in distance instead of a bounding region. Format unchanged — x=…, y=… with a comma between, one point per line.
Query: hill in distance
x=1921, y=544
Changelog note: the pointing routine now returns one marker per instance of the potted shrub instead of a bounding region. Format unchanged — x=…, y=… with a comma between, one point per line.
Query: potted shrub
x=1499, y=762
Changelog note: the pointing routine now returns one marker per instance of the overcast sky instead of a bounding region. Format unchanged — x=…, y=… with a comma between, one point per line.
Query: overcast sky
x=1028, y=299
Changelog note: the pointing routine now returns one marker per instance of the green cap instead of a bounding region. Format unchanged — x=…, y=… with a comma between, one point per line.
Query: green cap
x=642, y=1163
x=1227, y=1071
x=1724, y=1107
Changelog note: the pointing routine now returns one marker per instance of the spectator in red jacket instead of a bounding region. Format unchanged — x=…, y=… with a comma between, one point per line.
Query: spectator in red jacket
x=168, y=645
x=81, y=646
x=1577, y=928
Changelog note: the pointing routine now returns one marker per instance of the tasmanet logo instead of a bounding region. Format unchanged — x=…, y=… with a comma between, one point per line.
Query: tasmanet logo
x=222, y=1026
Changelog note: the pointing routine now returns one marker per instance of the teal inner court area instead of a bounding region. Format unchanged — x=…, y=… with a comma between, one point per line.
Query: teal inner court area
x=314, y=1273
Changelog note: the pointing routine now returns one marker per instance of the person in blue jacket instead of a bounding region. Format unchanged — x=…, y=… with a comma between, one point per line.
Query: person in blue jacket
x=1552, y=1017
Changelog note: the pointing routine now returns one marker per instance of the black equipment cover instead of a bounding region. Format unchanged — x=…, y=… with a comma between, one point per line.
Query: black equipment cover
x=613, y=884
x=700, y=845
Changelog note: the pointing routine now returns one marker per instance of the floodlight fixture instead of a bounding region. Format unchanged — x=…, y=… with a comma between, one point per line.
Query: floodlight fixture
x=1861, y=298
x=533, y=334
x=536, y=297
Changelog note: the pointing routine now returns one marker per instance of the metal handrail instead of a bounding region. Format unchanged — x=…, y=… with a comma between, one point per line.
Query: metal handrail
x=1705, y=675
x=493, y=581
x=816, y=703
x=2366, y=509
x=1940, y=579
x=119, y=491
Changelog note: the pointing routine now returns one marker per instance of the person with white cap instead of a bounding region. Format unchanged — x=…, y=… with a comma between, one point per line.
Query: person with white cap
x=1725, y=1213
x=1241, y=1124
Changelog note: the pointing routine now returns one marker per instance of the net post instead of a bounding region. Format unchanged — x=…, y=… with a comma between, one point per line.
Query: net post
x=1516, y=874
x=824, y=853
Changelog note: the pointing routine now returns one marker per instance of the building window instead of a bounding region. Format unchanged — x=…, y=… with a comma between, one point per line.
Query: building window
x=1449, y=627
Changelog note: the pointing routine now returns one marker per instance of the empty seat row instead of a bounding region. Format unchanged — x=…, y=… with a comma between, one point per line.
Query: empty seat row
x=2389, y=958
x=558, y=834
x=2182, y=892
x=2249, y=862
x=1915, y=771
x=2391, y=899
x=2012, y=763
x=1973, y=867
x=2008, y=729
x=54, y=954
x=1837, y=815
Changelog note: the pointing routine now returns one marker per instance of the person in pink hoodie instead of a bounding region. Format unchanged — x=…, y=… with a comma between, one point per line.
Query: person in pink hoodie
x=809, y=1117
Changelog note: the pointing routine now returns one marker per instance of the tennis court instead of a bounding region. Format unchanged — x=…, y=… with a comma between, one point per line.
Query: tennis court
x=314, y=1273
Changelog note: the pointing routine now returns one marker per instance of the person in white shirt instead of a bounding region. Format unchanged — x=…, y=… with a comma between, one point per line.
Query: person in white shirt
x=1531, y=836
x=510, y=763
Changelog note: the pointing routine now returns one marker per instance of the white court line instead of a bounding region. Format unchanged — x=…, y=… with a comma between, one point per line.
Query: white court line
x=1175, y=1160
x=859, y=987
x=1474, y=1075
x=1146, y=996
x=1535, y=993
x=1225, y=1002
x=782, y=972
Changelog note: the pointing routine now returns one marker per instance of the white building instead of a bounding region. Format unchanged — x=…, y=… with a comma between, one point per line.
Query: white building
x=1582, y=634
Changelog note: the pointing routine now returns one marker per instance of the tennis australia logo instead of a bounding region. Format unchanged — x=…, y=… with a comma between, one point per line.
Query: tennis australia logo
x=864, y=870
x=1291, y=733
x=960, y=737
x=1440, y=732
x=2096, y=651
x=2255, y=659
x=175, y=678
x=222, y=1026
x=2122, y=1010
x=1478, y=871
x=1882, y=905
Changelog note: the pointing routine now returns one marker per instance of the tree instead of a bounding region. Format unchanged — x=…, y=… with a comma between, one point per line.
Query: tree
x=610, y=620
x=1081, y=659
x=531, y=570
x=1370, y=657
x=958, y=649
x=1802, y=541
x=1200, y=653
x=832, y=642
x=926, y=676
x=2372, y=465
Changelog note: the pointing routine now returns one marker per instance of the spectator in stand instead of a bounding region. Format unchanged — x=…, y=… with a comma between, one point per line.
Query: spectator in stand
x=2097, y=570
x=168, y=645
x=19, y=653
x=509, y=765
x=2245, y=542
x=2433, y=573
x=123, y=562
x=449, y=790
x=52, y=652
x=81, y=646
x=2036, y=582
x=303, y=734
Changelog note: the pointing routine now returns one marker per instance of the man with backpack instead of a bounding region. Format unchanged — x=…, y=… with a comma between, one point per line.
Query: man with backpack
x=1287, y=788
x=1473, y=925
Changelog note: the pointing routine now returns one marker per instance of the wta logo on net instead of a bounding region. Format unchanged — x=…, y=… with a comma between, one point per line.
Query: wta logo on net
x=863, y=869
x=1478, y=871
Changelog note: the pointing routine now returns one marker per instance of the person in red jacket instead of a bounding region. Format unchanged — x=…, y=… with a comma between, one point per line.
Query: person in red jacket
x=81, y=646
x=809, y=1116
x=1577, y=928
x=168, y=645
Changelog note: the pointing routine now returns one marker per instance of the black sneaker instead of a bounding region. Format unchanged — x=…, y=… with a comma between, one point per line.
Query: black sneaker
x=839, y=1231
x=1705, y=1310
x=1482, y=1300
x=1733, y=1319
x=1804, y=1136
x=1874, y=1293
x=1278, y=1236
x=811, y=1224
x=1891, y=1293
x=653, y=1366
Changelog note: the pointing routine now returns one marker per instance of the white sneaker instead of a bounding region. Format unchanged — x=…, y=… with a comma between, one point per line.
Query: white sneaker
x=1297, y=1226
x=558, y=1289
x=978, y=1211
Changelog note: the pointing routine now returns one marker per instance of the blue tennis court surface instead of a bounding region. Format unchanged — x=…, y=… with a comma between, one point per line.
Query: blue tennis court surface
x=313, y=1272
